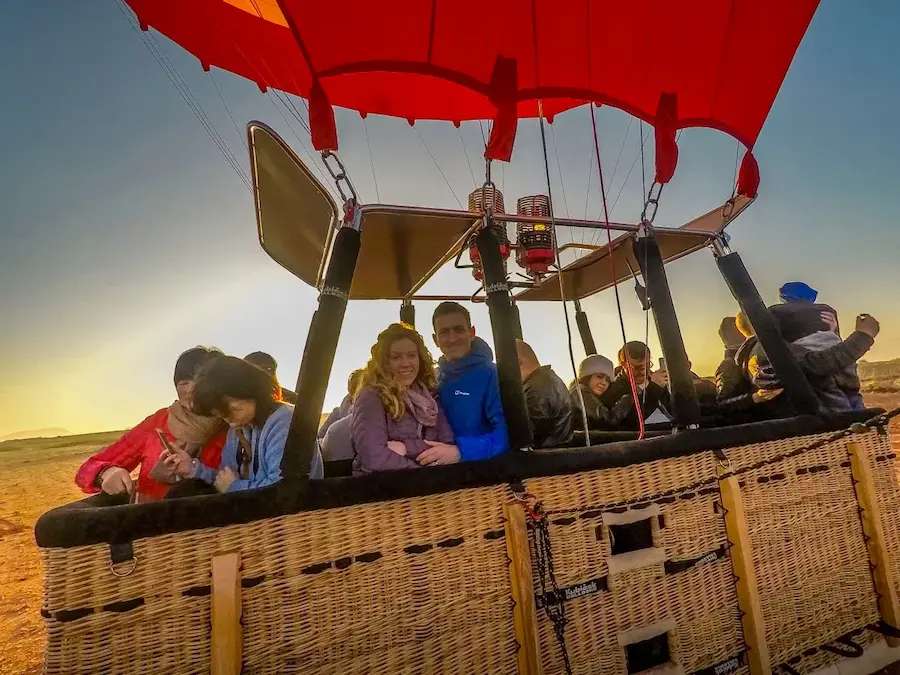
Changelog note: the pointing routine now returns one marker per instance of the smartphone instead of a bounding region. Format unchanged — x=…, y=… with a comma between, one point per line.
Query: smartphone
x=662, y=363
x=164, y=440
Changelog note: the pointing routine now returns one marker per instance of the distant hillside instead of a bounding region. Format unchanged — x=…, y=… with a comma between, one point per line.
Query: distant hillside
x=50, y=432
x=880, y=376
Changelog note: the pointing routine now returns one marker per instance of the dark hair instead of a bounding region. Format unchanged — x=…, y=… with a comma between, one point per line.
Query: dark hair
x=235, y=378
x=262, y=360
x=449, y=307
x=189, y=362
x=636, y=350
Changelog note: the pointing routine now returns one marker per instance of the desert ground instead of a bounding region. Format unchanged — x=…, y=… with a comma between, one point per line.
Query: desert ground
x=35, y=476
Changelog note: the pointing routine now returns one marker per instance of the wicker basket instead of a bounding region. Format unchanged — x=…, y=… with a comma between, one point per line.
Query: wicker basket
x=422, y=585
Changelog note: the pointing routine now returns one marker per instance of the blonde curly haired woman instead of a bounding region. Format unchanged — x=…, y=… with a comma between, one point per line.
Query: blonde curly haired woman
x=395, y=415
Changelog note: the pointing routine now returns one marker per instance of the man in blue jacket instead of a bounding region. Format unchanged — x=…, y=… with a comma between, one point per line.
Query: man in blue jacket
x=468, y=390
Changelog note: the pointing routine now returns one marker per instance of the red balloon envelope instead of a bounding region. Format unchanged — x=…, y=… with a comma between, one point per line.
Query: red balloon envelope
x=672, y=63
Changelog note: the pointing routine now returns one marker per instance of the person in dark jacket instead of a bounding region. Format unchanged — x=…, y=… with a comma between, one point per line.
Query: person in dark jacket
x=267, y=363
x=395, y=417
x=652, y=387
x=731, y=378
x=741, y=398
x=547, y=400
x=823, y=368
x=468, y=388
x=595, y=374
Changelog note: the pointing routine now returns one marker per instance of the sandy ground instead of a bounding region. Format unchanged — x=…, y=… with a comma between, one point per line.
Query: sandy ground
x=36, y=476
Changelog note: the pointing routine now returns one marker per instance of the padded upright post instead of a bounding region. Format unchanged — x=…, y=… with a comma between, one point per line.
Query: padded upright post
x=791, y=377
x=318, y=355
x=685, y=406
x=517, y=321
x=503, y=325
x=584, y=330
x=408, y=313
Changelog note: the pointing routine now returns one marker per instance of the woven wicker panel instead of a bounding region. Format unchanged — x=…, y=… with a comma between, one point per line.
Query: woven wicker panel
x=422, y=585
x=702, y=600
x=158, y=638
x=387, y=587
x=811, y=561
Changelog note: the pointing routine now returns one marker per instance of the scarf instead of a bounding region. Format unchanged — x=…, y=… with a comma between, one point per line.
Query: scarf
x=421, y=405
x=190, y=430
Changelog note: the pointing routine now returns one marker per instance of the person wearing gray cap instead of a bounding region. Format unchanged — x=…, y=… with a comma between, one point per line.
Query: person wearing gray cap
x=595, y=374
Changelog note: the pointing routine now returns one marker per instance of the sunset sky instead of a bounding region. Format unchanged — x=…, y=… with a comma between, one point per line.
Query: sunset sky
x=125, y=237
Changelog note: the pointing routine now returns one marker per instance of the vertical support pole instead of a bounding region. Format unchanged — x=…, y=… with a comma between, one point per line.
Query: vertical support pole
x=408, y=313
x=870, y=514
x=685, y=406
x=741, y=554
x=318, y=355
x=503, y=325
x=584, y=330
x=517, y=321
x=226, y=640
x=522, y=587
x=791, y=377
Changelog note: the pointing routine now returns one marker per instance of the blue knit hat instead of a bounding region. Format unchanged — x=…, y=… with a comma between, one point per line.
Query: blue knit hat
x=794, y=291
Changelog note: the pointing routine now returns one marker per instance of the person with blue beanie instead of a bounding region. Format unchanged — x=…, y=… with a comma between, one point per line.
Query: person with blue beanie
x=468, y=390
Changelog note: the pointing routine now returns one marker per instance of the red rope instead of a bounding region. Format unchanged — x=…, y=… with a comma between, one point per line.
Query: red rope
x=639, y=411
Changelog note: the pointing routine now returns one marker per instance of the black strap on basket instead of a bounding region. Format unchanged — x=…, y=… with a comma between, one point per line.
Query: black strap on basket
x=885, y=629
x=789, y=670
x=848, y=648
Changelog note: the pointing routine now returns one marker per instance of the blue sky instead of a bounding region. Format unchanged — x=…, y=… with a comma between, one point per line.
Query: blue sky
x=126, y=237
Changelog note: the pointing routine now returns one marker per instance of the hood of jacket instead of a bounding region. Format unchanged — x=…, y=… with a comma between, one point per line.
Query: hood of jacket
x=479, y=355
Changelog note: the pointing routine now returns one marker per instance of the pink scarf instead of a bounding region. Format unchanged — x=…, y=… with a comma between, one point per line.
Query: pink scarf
x=421, y=404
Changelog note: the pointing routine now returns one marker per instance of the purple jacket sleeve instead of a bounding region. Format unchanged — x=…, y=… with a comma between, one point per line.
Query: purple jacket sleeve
x=368, y=427
x=440, y=432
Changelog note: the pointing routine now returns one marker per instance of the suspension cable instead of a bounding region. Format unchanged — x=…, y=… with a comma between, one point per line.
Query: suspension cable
x=165, y=64
x=313, y=164
x=241, y=137
x=440, y=170
x=371, y=159
x=639, y=412
x=559, y=276
x=562, y=183
x=462, y=142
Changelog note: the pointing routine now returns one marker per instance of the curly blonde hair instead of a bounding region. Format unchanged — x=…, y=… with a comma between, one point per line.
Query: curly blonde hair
x=377, y=375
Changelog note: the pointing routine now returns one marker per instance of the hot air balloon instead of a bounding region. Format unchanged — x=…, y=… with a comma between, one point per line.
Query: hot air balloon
x=693, y=548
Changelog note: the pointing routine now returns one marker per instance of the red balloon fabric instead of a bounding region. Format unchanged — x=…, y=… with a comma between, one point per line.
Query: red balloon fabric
x=720, y=62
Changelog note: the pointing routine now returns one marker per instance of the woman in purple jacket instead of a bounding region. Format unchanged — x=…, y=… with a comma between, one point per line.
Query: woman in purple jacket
x=395, y=415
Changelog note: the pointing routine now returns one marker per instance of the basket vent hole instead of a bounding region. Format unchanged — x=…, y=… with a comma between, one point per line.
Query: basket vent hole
x=647, y=654
x=631, y=537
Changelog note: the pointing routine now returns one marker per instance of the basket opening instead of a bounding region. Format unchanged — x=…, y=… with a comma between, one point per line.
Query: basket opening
x=631, y=536
x=647, y=654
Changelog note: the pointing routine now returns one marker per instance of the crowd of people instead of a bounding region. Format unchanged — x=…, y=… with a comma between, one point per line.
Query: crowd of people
x=227, y=429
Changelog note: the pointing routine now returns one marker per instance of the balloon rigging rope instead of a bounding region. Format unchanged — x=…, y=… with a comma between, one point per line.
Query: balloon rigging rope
x=440, y=170
x=371, y=160
x=559, y=276
x=466, y=153
x=612, y=263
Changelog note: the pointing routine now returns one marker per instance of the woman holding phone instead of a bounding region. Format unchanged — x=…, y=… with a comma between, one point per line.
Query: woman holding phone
x=109, y=471
x=249, y=400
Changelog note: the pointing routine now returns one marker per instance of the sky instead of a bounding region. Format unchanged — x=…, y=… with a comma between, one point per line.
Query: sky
x=126, y=237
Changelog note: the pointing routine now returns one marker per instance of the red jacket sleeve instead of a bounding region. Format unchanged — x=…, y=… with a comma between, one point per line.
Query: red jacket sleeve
x=211, y=454
x=127, y=452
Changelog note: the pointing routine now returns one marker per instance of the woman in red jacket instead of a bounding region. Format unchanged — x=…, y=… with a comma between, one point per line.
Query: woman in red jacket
x=109, y=471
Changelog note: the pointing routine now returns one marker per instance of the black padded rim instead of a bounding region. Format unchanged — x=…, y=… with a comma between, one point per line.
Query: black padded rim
x=89, y=522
